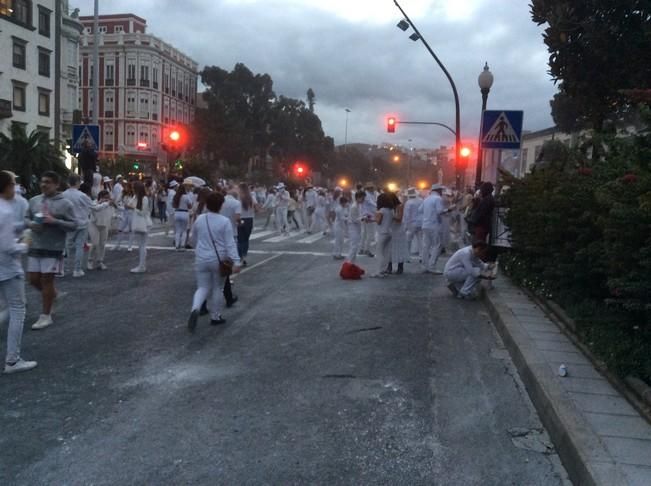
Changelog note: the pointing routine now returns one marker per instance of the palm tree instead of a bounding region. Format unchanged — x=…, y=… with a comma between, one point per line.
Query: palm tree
x=28, y=156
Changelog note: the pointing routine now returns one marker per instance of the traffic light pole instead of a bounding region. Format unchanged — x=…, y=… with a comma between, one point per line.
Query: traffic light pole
x=426, y=123
x=457, y=131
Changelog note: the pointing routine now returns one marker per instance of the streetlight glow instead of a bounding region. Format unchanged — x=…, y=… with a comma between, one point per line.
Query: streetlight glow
x=392, y=186
x=465, y=152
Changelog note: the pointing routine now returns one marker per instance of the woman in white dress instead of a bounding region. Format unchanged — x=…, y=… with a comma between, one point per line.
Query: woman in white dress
x=141, y=224
x=384, y=220
x=399, y=251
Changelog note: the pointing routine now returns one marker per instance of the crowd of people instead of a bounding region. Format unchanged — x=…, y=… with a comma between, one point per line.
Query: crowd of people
x=71, y=228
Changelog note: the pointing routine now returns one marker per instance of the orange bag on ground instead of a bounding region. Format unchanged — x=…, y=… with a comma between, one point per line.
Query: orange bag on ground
x=350, y=271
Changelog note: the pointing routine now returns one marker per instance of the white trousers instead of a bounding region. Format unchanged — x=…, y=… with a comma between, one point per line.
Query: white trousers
x=98, y=237
x=181, y=219
x=462, y=280
x=431, y=248
x=368, y=235
x=318, y=221
x=383, y=251
x=414, y=235
x=12, y=292
x=339, y=230
x=210, y=285
x=281, y=218
x=141, y=240
x=355, y=235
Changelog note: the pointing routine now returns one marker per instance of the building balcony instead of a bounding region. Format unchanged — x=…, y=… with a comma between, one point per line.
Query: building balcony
x=154, y=116
x=131, y=82
x=108, y=114
x=109, y=82
x=108, y=147
x=144, y=83
x=155, y=85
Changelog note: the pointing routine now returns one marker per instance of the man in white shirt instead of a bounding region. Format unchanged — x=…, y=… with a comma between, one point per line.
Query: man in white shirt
x=169, y=204
x=116, y=192
x=282, y=205
x=369, y=226
x=81, y=204
x=433, y=209
x=412, y=218
x=465, y=268
x=310, y=205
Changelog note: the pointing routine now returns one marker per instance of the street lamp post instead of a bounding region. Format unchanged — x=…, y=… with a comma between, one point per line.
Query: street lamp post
x=418, y=36
x=346, y=133
x=485, y=82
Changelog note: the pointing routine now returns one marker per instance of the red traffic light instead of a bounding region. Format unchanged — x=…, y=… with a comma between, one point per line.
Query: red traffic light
x=391, y=125
x=465, y=152
x=175, y=135
x=300, y=169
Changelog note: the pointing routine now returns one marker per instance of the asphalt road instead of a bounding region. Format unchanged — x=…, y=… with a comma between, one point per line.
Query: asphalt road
x=313, y=380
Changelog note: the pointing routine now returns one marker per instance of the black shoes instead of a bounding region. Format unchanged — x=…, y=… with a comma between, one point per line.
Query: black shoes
x=192, y=322
x=232, y=302
x=217, y=322
x=401, y=269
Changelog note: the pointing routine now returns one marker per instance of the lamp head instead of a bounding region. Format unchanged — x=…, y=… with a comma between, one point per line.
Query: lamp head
x=485, y=79
x=403, y=25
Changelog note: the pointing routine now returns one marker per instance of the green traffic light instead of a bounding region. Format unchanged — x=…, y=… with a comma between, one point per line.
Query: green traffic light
x=136, y=166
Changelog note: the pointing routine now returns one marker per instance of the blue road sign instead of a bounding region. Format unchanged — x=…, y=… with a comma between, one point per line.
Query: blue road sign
x=85, y=134
x=501, y=129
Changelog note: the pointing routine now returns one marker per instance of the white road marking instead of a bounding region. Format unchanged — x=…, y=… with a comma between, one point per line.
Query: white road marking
x=278, y=239
x=253, y=252
x=246, y=269
x=311, y=238
x=261, y=234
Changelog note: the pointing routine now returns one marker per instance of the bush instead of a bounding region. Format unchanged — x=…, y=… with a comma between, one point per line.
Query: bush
x=581, y=235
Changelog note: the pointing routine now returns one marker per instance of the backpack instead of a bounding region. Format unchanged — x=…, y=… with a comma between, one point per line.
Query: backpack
x=350, y=271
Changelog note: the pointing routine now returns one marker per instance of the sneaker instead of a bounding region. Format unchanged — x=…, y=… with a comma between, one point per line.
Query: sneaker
x=43, y=322
x=453, y=289
x=101, y=266
x=218, y=321
x=138, y=270
x=20, y=365
x=61, y=274
x=130, y=248
x=78, y=273
x=192, y=321
x=90, y=266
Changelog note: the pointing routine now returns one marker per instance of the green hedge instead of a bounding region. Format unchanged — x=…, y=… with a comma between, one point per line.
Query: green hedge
x=581, y=234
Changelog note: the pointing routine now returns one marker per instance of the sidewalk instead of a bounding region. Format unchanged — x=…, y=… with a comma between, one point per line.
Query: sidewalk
x=600, y=437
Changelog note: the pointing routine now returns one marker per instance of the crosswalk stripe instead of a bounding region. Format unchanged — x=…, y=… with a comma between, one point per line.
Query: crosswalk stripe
x=278, y=239
x=261, y=234
x=311, y=238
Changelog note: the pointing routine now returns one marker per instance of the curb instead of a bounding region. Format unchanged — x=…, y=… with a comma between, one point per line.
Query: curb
x=580, y=449
x=637, y=392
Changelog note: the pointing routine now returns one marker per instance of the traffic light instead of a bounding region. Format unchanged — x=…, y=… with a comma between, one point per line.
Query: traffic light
x=136, y=166
x=300, y=170
x=391, y=125
x=464, y=152
x=175, y=136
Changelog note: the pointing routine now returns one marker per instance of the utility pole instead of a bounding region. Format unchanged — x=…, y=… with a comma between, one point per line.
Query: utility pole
x=96, y=65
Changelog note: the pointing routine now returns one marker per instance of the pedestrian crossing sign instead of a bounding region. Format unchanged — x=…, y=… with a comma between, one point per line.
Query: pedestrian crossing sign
x=85, y=135
x=501, y=129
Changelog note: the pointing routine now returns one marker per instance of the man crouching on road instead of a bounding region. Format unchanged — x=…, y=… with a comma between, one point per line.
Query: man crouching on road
x=465, y=268
x=50, y=216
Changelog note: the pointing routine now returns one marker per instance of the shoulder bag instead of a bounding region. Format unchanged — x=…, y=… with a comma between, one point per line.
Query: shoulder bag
x=226, y=265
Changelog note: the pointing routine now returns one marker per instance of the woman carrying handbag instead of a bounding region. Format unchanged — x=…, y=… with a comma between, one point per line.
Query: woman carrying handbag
x=215, y=258
x=140, y=224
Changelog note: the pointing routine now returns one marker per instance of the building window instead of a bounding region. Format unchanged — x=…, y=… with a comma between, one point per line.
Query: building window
x=109, y=75
x=44, y=62
x=43, y=102
x=131, y=75
x=118, y=28
x=19, y=97
x=131, y=136
x=43, y=21
x=22, y=11
x=102, y=29
x=108, y=138
x=87, y=30
x=19, y=51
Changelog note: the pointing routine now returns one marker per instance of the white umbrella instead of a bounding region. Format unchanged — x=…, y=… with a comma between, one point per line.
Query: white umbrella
x=195, y=181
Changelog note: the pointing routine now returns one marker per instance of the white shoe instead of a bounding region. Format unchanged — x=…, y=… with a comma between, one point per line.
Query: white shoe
x=138, y=270
x=61, y=274
x=101, y=266
x=20, y=365
x=43, y=322
x=78, y=273
x=130, y=249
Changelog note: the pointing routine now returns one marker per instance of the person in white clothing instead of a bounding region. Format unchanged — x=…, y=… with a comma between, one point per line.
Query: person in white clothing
x=97, y=183
x=98, y=229
x=309, y=199
x=214, y=242
x=384, y=220
x=127, y=203
x=282, y=206
x=141, y=224
x=355, y=226
x=369, y=227
x=342, y=216
x=412, y=219
x=116, y=192
x=465, y=268
x=270, y=206
x=12, y=277
x=169, y=205
x=433, y=209
x=75, y=240
x=319, y=220
x=182, y=204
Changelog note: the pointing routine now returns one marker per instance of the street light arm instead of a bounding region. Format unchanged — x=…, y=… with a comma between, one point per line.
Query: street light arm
x=447, y=74
x=428, y=123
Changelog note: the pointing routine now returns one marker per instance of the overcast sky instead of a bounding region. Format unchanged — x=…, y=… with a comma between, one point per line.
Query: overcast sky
x=353, y=56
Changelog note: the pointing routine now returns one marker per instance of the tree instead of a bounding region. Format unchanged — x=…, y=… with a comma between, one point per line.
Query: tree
x=28, y=156
x=597, y=48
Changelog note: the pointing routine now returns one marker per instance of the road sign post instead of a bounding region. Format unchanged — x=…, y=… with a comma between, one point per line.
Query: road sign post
x=85, y=136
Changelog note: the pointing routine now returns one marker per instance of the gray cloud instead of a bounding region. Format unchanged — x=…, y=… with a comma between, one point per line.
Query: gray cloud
x=370, y=66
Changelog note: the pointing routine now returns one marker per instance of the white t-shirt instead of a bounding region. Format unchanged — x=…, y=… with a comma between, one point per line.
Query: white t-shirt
x=209, y=228
x=230, y=208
